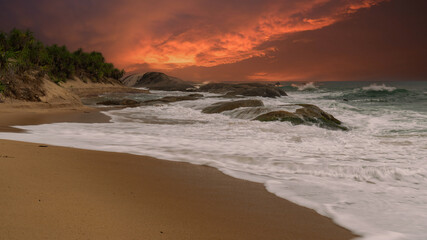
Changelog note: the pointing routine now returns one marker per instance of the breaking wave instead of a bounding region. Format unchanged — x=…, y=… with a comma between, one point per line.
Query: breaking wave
x=376, y=87
x=371, y=179
x=310, y=86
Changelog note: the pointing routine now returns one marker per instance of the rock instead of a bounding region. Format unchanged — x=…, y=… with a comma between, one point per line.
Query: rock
x=157, y=81
x=109, y=102
x=129, y=102
x=249, y=113
x=312, y=111
x=282, y=116
x=314, y=114
x=244, y=89
x=227, y=106
x=269, y=92
x=122, y=102
x=196, y=95
x=131, y=80
x=216, y=87
x=309, y=114
x=171, y=99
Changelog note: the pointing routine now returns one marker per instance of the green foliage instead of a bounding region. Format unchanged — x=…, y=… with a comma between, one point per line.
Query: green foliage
x=3, y=41
x=5, y=59
x=20, y=52
x=63, y=64
x=2, y=87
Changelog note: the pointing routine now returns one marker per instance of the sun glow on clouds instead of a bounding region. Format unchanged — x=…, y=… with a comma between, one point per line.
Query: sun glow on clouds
x=204, y=45
x=264, y=76
x=235, y=40
x=174, y=35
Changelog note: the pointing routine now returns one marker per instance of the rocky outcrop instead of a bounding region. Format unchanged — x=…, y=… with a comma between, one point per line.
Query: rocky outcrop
x=313, y=113
x=269, y=92
x=122, y=102
x=282, y=116
x=131, y=80
x=308, y=114
x=171, y=99
x=244, y=89
x=227, y=106
x=157, y=81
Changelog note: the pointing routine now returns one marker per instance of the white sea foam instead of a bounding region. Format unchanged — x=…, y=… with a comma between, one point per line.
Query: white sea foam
x=372, y=179
x=305, y=86
x=376, y=87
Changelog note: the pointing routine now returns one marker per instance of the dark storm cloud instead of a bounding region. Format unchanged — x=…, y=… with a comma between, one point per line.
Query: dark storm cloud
x=235, y=40
x=386, y=42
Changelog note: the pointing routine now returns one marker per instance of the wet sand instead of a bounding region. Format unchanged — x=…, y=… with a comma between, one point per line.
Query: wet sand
x=20, y=114
x=50, y=192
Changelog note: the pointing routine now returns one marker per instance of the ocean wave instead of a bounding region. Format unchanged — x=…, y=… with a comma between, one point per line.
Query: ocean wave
x=374, y=173
x=376, y=87
x=377, y=93
x=379, y=96
x=310, y=86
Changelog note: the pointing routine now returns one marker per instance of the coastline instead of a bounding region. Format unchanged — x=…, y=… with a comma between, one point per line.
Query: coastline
x=16, y=114
x=104, y=195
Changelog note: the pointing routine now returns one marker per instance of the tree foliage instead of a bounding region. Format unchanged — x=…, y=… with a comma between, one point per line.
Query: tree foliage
x=20, y=51
x=2, y=87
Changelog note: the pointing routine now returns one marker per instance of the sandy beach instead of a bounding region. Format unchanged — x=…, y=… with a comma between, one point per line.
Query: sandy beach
x=213, y=120
x=50, y=192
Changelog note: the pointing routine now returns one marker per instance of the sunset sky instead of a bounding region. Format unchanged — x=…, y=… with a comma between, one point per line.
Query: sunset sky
x=239, y=40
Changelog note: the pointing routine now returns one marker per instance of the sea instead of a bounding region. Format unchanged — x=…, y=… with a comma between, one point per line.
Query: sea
x=371, y=179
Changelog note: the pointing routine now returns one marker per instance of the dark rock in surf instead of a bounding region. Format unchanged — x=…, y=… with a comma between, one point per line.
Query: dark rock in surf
x=308, y=114
x=122, y=102
x=269, y=92
x=171, y=99
x=196, y=95
x=244, y=89
x=312, y=111
x=282, y=116
x=227, y=106
x=313, y=114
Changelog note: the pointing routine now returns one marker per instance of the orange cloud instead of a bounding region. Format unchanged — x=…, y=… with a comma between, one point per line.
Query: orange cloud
x=203, y=46
x=169, y=34
x=378, y=44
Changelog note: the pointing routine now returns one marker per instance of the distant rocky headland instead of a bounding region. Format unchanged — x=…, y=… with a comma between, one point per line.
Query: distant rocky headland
x=161, y=81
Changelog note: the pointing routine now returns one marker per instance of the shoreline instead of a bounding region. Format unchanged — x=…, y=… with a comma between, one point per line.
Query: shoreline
x=19, y=114
x=126, y=196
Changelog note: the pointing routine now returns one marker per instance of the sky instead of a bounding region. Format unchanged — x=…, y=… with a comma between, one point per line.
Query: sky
x=239, y=40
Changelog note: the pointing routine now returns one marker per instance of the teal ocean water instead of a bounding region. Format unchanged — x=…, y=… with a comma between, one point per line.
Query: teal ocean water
x=371, y=179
